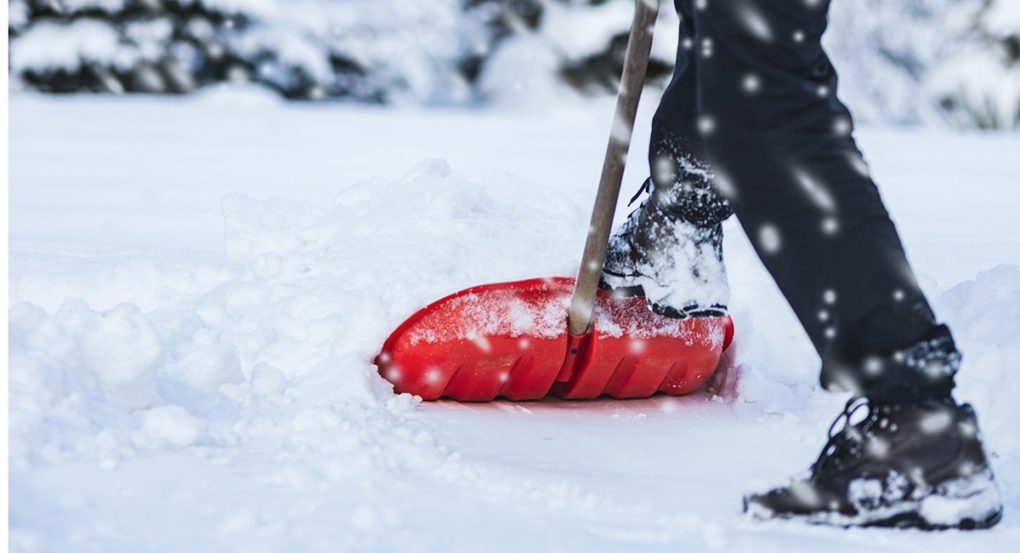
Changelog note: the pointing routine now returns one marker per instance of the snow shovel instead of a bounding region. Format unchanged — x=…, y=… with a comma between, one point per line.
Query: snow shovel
x=526, y=339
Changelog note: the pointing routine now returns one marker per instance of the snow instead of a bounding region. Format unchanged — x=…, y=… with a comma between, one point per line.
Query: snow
x=17, y=14
x=291, y=46
x=519, y=73
x=197, y=287
x=897, y=61
x=399, y=51
x=1002, y=18
x=985, y=86
x=126, y=375
x=173, y=424
x=685, y=272
x=57, y=46
x=936, y=62
x=109, y=6
x=150, y=37
x=263, y=8
x=511, y=317
x=576, y=33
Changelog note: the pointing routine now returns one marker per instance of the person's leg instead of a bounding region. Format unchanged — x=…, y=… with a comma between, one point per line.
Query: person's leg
x=780, y=145
x=670, y=248
x=676, y=153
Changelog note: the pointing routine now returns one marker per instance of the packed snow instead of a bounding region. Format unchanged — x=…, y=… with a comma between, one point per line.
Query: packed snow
x=197, y=288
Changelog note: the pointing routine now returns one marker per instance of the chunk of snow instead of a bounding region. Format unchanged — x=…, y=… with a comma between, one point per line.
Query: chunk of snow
x=122, y=349
x=173, y=425
x=209, y=367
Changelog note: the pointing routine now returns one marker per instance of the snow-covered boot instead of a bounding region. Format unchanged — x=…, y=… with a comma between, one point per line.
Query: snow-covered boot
x=674, y=260
x=905, y=465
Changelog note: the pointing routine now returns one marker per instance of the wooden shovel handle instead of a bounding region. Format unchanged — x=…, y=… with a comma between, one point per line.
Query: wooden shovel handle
x=639, y=45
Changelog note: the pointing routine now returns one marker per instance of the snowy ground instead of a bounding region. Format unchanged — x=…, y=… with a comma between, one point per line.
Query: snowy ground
x=197, y=286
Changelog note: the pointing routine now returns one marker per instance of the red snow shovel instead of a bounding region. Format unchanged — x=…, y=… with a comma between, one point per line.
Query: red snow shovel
x=526, y=339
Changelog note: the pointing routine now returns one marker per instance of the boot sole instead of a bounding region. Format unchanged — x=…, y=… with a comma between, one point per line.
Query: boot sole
x=902, y=521
x=909, y=514
x=914, y=520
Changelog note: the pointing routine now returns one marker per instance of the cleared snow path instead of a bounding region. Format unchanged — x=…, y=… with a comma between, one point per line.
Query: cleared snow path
x=197, y=286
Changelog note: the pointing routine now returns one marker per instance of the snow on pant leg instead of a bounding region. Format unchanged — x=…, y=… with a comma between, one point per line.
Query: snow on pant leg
x=677, y=152
x=780, y=145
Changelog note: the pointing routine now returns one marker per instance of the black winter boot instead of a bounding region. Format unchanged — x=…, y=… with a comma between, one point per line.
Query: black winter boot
x=675, y=263
x=916, y=465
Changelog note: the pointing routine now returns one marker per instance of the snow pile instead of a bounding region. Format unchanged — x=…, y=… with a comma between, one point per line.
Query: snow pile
x=983, y=314
x=309, y=299
x=311, y=293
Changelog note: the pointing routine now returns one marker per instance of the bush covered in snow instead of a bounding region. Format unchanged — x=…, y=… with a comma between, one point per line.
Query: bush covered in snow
x=947, y=61
x=941, y=61
x=369, y=50
x=978, y=84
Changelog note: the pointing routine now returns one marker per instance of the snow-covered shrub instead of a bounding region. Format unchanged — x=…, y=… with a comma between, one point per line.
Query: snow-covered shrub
x=903, y=62
x=368, y=50
x=883, y=50
x=979, y=85
x=590, y=40
x=955, y=61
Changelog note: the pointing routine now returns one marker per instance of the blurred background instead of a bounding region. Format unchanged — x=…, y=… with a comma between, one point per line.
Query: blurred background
x=946, y=63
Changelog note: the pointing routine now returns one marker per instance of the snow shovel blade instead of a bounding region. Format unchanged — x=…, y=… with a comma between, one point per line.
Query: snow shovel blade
x=510, y=340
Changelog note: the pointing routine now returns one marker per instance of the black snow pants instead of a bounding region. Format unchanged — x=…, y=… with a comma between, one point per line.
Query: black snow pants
x=752, y=104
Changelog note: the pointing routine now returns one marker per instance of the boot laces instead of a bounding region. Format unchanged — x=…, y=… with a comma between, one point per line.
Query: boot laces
x=844, y=444
x=645, y=187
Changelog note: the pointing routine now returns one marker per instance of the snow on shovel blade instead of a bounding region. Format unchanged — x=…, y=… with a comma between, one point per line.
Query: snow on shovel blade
x=506, y=339
x=510, y=340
